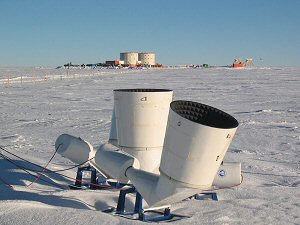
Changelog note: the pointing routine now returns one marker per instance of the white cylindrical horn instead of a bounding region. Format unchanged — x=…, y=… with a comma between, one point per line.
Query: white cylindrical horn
x=197, y=138
x=196, y=141
x=141, y=118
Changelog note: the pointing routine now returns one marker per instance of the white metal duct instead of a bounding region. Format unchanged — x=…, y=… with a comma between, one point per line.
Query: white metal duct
x=197, y=138
x=141, y=117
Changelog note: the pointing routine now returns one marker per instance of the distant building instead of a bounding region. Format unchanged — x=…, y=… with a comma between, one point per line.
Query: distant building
x=129, y=58
x=114, y=62
x=135, y=58
x=147, y=58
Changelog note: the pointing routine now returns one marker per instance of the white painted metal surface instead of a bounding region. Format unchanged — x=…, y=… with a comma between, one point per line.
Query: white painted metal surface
x=159, y=190
x=149, y=158
x=228, y=175
x=197, y=138
x=74, y=148
x=196, y=141
x=141, y=116
x=114, y=162
x=113, y=136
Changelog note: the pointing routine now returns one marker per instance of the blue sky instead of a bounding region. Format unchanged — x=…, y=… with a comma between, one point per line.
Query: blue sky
x=54, y=32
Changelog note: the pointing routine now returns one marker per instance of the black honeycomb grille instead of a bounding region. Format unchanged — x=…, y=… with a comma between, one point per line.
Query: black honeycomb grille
x=204, y=114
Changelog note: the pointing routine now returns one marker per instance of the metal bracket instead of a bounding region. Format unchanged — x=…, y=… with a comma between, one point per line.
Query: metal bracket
x=93, y=179
x=138, y=208
x=202, y=196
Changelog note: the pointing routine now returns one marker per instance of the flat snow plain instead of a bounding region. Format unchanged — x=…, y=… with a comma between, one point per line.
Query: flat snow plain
x=37, y=105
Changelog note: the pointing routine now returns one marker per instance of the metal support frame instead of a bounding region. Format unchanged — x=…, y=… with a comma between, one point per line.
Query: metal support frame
x=117, y=184
x=93, y=183
x=138, y=208
x=93, y=179
x=212, y=195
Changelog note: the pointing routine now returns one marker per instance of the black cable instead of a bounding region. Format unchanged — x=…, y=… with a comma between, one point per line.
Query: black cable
x=26, y=170
x=47, y=170
x=45, y=167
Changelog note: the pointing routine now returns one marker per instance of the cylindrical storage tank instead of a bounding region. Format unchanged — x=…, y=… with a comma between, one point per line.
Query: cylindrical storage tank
x=129, y=58
x=147, y=58
x=197, y=138
x=141, y=116
x=74, y=148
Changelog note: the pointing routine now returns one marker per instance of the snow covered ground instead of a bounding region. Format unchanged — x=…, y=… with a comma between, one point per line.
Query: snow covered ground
x=38, y=104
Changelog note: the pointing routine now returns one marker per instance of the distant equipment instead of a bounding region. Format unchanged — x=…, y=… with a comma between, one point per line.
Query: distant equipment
x=164, y=151
x=249, y=62
x=239, y=63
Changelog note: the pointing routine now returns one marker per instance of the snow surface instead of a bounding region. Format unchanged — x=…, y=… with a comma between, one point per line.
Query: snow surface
x=39, y=104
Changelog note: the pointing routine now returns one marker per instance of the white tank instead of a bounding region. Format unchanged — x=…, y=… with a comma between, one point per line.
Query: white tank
x=129, y=58
x=141, y=117
x=147, y=58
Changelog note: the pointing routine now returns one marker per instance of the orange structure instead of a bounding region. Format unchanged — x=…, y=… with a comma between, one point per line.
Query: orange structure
x=238, y=63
